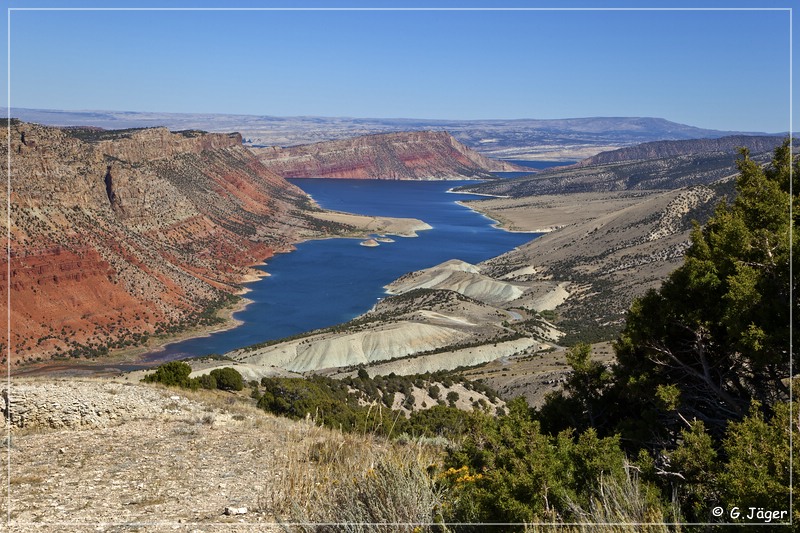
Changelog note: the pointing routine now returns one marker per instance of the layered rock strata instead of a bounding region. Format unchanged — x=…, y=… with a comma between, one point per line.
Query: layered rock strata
x=116, y=236
x=418, y=155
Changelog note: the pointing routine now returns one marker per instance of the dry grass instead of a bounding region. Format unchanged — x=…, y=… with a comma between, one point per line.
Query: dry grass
x=620, y=507
x=332, y=481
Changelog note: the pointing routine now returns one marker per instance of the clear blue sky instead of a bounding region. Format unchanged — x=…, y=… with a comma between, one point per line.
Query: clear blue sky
x=715, y=69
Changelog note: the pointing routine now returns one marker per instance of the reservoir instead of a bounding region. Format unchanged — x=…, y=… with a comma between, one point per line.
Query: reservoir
x=326, y=282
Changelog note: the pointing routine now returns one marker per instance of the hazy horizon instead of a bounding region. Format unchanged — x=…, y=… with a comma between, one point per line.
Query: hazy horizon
x=687, y=66
x=433, y=120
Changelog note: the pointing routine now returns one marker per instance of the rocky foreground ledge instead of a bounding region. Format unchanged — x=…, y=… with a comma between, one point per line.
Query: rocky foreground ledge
x=40, y=405
x=94, y=455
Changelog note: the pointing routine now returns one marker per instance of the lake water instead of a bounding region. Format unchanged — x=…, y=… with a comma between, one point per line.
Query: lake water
x=535, y=166
x=326, y=282
x=540, y=165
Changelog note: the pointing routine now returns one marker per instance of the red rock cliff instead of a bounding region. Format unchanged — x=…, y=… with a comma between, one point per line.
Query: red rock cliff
x=119, y=235
x=417, y=155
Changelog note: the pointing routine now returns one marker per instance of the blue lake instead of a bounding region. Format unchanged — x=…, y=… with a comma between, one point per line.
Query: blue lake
x=535, y=166
x=330, y=281
x=540, y=165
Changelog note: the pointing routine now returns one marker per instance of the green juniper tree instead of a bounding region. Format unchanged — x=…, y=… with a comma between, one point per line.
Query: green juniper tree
x=717, y=332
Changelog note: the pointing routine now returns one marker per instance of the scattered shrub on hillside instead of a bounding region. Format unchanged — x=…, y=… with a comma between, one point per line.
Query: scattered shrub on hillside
x=346, y=403
x=174, y=374
x=227, y=379
x=207, y=381
x=452, y=398
x=323, y=398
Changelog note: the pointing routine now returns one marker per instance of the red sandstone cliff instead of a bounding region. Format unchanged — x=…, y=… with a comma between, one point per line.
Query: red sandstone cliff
x=417, y=155
x=119, y=235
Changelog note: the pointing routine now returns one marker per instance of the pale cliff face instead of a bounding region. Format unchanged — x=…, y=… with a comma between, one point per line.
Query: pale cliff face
x=119, y=235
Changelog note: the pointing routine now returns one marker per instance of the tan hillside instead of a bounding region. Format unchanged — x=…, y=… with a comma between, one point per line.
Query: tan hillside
x=91, y=455
x=604, y=249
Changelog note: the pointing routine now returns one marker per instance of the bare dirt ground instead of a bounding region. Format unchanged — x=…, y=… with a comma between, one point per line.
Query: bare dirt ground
x=404, y=227
x=550, y=212
x=170, y=462
x=533, y=376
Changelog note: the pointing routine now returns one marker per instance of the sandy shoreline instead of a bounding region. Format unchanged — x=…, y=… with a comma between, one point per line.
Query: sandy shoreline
x=366, y=224
x=548, y=213
x=451, y=191
x=499, y=224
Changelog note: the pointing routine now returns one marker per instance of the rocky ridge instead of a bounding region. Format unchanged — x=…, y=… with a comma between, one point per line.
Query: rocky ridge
x=661, y=149
x=89, y=455
x=697, y=167
x=76, y=404
x=120, y=235
x=533, y=139
x=420, y=155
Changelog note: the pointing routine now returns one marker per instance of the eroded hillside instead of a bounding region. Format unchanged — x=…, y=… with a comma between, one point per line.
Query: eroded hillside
x=441, y=318
x=117, y=236
x=757, y=144
x=667, y=165
x=606, y=248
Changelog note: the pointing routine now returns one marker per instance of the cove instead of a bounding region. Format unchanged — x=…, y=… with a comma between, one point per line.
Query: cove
x=326, y=282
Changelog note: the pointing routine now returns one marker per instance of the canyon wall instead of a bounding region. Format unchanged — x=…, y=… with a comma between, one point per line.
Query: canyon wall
x=116, y=236
x=418, y=155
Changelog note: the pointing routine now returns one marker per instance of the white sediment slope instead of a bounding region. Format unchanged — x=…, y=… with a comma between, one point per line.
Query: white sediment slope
x=461, y=277
x=457, y=358
x=550, y=299
x=331, y=350
x=389, y=342
x=248, y=371
x=444, y=323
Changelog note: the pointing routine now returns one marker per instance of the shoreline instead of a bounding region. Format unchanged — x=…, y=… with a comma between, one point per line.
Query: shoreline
x=123, y=361
x=451, y=191
x=226, y=314
x=117, y=363
x=499, y=224
x=365, y=225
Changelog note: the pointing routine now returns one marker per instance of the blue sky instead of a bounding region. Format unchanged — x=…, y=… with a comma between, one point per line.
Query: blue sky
x=716, y=69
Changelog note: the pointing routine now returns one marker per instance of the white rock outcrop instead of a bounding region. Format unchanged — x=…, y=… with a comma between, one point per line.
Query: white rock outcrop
x=76, y=404
x=461, y=277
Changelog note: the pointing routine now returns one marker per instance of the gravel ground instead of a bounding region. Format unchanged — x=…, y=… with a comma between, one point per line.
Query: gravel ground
x=173, y=467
